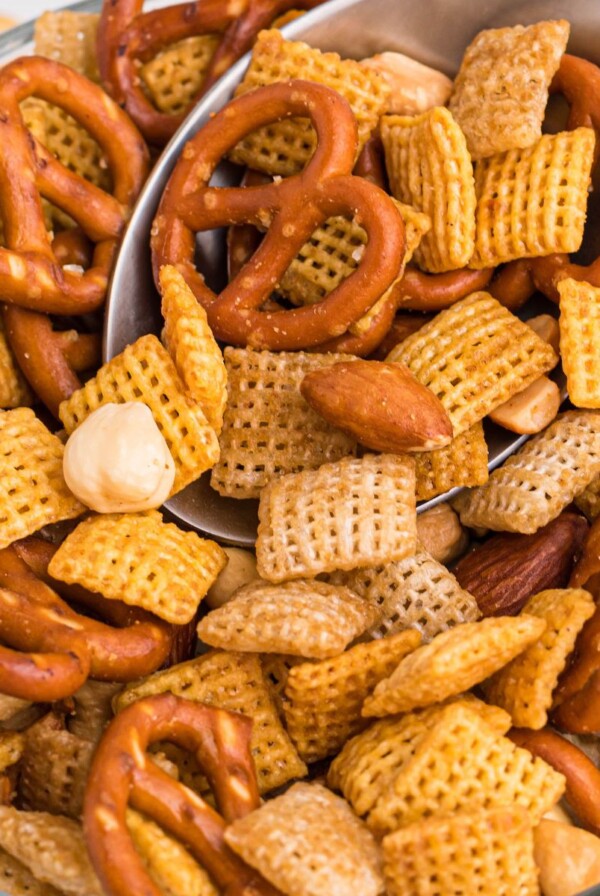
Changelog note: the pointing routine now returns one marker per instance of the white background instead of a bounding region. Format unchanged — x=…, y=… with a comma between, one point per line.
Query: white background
x=21, y=10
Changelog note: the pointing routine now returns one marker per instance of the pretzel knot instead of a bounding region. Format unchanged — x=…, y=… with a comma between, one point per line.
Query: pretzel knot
x=291, y=209
x=123, y=774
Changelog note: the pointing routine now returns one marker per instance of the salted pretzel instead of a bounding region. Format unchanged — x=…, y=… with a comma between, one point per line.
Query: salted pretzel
x=128, y=37
x=290, y=209
x=123, y=774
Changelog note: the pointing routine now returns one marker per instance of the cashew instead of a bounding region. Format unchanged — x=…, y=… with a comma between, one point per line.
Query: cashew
x=531, y=410
x=240, y=570
x=441, y=534
x=415, y=87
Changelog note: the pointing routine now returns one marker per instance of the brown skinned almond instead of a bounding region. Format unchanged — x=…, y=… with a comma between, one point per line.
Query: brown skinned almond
x=381, y=404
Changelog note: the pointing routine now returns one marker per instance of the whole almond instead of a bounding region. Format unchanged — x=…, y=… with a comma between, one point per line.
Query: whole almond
x=382, y=405
x=505, y=571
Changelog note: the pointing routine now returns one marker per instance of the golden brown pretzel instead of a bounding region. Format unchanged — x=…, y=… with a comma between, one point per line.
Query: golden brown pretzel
x=128, y=37
x=122, y=773
x=291, y=210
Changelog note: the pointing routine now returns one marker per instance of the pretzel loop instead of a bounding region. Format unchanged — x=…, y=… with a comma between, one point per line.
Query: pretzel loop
x=122, y=773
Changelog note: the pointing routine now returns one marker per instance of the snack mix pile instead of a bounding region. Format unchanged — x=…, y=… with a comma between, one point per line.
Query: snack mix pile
x=375, y=702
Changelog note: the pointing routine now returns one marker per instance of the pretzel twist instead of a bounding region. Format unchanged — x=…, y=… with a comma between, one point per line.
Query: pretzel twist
x=123, y=774
x=291, y=210
x=128, y=37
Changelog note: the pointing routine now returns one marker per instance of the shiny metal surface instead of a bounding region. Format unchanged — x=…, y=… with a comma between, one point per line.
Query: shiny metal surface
x=436, y=33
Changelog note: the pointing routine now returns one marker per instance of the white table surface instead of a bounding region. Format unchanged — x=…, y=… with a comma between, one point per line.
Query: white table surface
x=21, y=10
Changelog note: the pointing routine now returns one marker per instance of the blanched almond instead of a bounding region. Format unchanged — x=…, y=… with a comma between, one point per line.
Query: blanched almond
x=531, y=410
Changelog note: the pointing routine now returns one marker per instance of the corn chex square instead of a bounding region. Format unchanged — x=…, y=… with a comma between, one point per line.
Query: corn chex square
x=309, y=841
x=430, y=169
x=323, y=700
x=276, y=667
x=286, y=146
x=145, y=372
x=500, y=93
x=464, y=462
x=33, y=492
x=14, y=390
x=175, y=75
x=70, y=38
x=539, y=480
x=232, y=681
x=533, y=202
x=353, y=513
x=580, y=341
x=483, y=851
x=588, y=500
x=268, y=428
x=453, y=662
x=475, y=356
x=136, y=558
x=524, y=688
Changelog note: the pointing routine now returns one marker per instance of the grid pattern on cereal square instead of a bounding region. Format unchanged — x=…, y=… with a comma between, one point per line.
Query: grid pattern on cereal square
x=580, y=341
x=233, y=681
x=461, y=763
x=323, y=700
x=475, y=356
x=353, y=513
x=588, y=500
x=268, y=428
x=276, y=667
x=501, y=90
x=430, y=169
x=533, y=202
x=285, y=147
x=536, y=483
x=14, y=390
x=33, y=492
x=525, y=687
x=453, y=662
x=70, y=38
x=464, y=462
x=483, y=851
x=301, y=618
x=175, y=76
x=309, y=841
x=145, y=372
x=136, y=558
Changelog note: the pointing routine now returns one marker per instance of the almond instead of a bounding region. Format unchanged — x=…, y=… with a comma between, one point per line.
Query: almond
x=380, y=404
x=505, y=571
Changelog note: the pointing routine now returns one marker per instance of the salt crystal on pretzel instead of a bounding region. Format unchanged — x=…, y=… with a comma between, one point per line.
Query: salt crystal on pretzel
x=142, y=561
x=33, y=492
x=533, y=202
x=306, y=618
x=475, y=356
x=501, y=90
x=268, y=427
x=524, y=688
x=580, y=341
x=14, y=390
x=453, y=662
x=539, y=480
x=16, y=879
x=323, y=700
x=483, y=851
x=175, y=76
x=309, y=841
x=353, y=513
x=464, y=462
x=233, y=681
x=588, y=500
x=145, y=372
x=285, y=147
x=191, y=344
x=430, y=168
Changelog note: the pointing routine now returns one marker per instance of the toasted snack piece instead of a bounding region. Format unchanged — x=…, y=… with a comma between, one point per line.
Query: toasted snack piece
x=531, y=410
x=501, y=90
x=136, y=558
x=579, y=851
x=588, y=500
x=51, y=847
x=440, y=533
x=145, y=372
x=191, y=344
x=453, y=662
x=524, y=688
x=232, y=681
x=415, y=87
x=580, y=341
x=33, y=492
x=268, y=428
x=11, y=707
x=92, y=709
x=309, y=841
x=417, y=592
x=475, y=356
x=17, y=880
x=547, y=329
x=537, y=482
x=70, y=38
x=484, y=851
x=533, y=201
x=14, y=390
x=240, y=569
x=276, y=667
x=430, y=168
x=285, y=147
x=300, y=618
x=175, y=75
x=464, y=462
x=323, y=700
x=352, y=513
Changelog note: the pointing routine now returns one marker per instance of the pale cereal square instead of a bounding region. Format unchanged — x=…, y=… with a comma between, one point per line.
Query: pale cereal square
x=580, y=341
